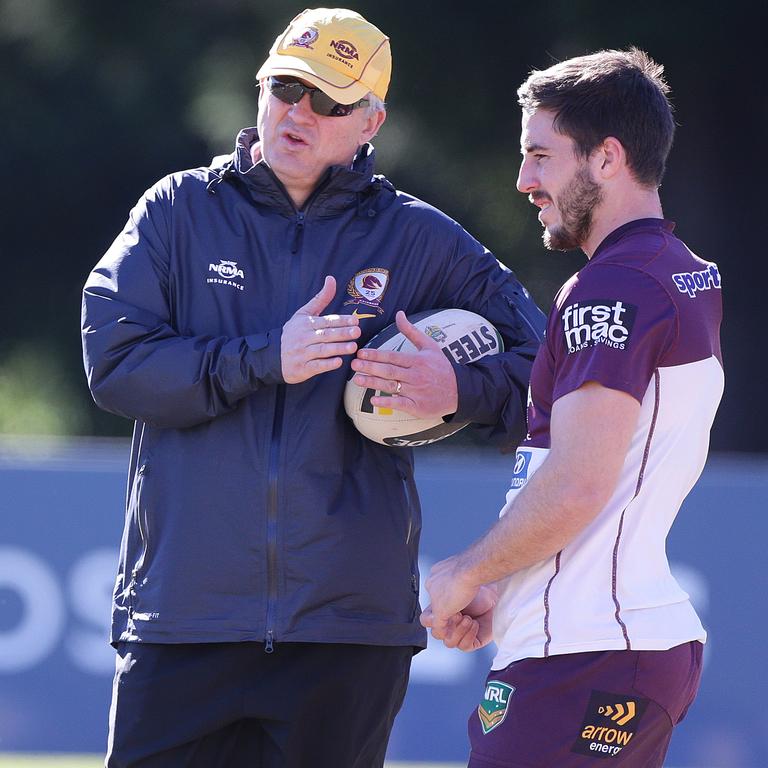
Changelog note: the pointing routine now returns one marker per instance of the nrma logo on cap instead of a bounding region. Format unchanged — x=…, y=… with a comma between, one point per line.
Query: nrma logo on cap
x=520, y=472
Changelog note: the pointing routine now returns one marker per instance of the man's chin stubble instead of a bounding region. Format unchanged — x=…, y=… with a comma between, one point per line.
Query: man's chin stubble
x=560, y=240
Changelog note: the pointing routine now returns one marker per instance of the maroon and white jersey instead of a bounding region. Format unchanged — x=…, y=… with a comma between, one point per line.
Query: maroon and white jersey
x=643, y=317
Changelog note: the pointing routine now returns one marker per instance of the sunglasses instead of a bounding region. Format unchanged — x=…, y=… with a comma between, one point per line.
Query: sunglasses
x=290, y=91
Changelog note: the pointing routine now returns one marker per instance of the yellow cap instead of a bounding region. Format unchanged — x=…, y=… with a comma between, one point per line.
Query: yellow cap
x=336, y=50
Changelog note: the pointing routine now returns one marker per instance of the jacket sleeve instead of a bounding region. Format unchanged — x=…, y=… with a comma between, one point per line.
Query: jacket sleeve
x=493, y=390
x=136, y=362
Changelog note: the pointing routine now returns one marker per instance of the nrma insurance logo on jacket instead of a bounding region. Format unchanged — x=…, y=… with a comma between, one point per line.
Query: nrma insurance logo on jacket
x=228, y=274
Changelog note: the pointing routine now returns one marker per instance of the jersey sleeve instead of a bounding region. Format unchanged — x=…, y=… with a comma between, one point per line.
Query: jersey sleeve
x=613, y=326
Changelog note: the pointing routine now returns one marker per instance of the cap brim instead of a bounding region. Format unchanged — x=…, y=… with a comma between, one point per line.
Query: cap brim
x=343, y=89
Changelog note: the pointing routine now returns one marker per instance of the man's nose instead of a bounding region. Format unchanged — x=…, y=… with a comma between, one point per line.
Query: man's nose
x=526, y=177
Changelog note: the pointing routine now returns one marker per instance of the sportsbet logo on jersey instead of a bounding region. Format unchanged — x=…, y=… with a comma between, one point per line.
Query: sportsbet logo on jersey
x=610, y=724
x=598, y=321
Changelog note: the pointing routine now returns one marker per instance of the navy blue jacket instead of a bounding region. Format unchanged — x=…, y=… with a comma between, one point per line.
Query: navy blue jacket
x=255, y=510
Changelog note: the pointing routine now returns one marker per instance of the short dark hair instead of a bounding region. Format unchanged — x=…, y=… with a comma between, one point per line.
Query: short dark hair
x=609, y=93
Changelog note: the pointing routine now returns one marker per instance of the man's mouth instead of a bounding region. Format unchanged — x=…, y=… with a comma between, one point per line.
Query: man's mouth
x=294, y=138
x=542, y=203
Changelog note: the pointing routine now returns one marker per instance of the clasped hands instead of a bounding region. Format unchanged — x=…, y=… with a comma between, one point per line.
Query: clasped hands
x=460, y=613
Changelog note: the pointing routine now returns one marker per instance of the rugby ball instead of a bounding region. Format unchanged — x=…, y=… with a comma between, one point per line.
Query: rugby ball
x=463, y=336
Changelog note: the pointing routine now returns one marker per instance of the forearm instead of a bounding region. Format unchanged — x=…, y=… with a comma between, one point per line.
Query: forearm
x=543, y=518
x=591, y=430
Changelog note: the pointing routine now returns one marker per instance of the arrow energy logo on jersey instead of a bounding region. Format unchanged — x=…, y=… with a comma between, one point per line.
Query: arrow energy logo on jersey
x=598, y=321
x=609, y=725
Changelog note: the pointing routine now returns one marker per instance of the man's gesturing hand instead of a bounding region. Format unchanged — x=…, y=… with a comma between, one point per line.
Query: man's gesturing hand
x=422, y=383
x=311, y=344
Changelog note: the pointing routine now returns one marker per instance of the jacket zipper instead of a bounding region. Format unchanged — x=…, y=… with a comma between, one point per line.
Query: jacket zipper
x=274, y=467
x=274, y=461
x=298, y=235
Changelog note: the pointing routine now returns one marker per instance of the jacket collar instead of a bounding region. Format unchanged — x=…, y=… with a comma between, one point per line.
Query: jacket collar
x=339, y=188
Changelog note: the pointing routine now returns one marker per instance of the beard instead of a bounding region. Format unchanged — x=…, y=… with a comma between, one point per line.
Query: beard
x=576, y=204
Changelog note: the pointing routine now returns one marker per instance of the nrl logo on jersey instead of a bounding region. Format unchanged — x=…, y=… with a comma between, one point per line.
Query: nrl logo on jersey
x=598, y=321
x=228, y=273
x=493, y=708
x=367, y=287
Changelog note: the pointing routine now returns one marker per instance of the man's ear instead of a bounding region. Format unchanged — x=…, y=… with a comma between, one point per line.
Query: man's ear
x=610, y=158
x=373, y=122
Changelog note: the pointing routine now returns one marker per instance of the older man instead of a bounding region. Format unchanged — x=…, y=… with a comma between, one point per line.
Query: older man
x=266, y=606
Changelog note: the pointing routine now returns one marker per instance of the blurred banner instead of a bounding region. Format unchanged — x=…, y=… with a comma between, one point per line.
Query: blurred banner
x=61, y=506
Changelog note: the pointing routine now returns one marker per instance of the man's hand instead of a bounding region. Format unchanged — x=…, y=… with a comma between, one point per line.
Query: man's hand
x=421, y=383
x=311, y=344
x=452, y=595
x=472, y=628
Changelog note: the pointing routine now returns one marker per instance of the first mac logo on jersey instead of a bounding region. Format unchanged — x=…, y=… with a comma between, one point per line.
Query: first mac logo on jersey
x=598, y=321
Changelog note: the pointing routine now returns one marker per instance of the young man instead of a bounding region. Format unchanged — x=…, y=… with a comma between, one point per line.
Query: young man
x=599, y=649
x=266, y=606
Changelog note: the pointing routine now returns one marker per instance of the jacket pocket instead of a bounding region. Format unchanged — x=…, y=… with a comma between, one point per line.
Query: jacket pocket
x=413, y=531
x=140, y=521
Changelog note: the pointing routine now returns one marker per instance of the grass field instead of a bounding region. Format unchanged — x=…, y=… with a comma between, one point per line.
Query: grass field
x=23, y=760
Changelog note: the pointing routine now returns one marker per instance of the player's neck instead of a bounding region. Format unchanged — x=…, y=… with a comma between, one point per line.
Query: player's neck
x=619, y=209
